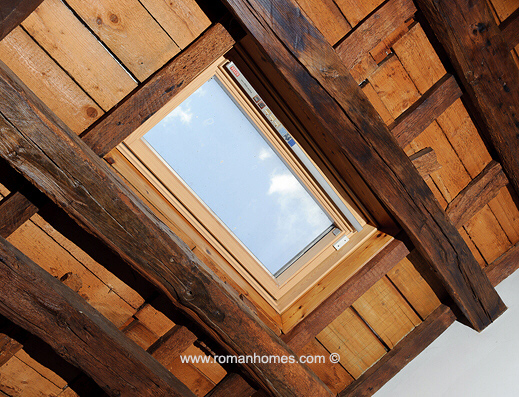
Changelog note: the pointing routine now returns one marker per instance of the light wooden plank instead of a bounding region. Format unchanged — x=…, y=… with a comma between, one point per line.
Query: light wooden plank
x=387, y=312
x=17, y=379
x=327, y=17
x=421, y=337
x=130, y=32
x=415, y=289
x=488, y=235
x=332, y=374
x=393, y=85
x=377, y=103
x=504, y=8
x=77, y=51
x=352, y=339
x=48, y=81
x=183, y=20
x=419, y=59
x=356, y=10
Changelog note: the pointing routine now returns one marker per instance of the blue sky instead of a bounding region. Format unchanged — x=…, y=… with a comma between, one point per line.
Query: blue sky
x=216, y=150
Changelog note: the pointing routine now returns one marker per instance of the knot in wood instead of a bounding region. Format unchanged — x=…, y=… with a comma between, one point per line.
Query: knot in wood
x=114, y=18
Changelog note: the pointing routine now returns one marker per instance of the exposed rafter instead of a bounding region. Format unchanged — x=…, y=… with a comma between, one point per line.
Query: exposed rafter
x=353, y=129
x=485, y=66
x=41, y=304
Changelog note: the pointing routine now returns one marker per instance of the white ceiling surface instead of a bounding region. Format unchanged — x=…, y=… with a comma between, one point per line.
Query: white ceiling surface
x=464, y=363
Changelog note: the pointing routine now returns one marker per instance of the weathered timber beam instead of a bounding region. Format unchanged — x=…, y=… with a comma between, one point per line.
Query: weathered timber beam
x=313, y=70
x=13, y=12
x=487, y=71
x=345, y=295
x=373, y=30
x=476, y=194
x=510, y=30
x=41, y=304
x=119, y=123
x=503, y=266
x=425, y=161
x=15, y=210
x=232, y=384
x=172, y=344
x=11, y=340
x=405, y=351
x=40, y=147
x=428, y=108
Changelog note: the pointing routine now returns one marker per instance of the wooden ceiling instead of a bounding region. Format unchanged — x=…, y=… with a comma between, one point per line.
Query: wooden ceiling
x=103, y=66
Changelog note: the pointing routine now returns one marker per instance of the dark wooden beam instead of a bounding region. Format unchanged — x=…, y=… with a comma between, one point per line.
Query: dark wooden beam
x=360, y=41
x=120, y=122
x=405, y=351
x=41, y=304
x=345, y=295
x=428, y=108
x=15, y=210
x=476, y=194
x=425, y=161
x=40, y=147
x=503, y=266
x=510, y=30
x=310, y=68
x=13, y=12
x=232, y=385
x=486, y=69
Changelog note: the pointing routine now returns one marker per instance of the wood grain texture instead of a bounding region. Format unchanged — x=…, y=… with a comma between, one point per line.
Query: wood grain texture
x=350, y=337
x=15, y=210
x=232, y=385
x=77, y=51
x=419, y=58
x=486, y=68
x=345, y=295
x=425, y=161
x=356, y=10
x=373, y=30
x=172, y=344
x=182, y=19
x=413, y=344
x=510, y=30
x=158, y=90
x=327, y=18
x=61, y=318
x=423, y=112
x=127, y=28
x=503, y=266
x=60, y=164
x=48, y=81
x=477, y=194
x=314, y=71
x=12, y=13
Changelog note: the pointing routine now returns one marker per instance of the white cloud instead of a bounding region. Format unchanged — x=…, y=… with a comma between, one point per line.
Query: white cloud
x=265, y=153
x=180, y=112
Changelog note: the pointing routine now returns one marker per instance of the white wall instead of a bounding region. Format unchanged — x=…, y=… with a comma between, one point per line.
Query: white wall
x=463, y=363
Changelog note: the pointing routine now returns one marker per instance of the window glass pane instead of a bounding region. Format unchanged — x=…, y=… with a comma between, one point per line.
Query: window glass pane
x=210, y=143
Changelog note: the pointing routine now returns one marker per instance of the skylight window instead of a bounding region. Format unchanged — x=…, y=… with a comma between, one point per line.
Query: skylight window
x=225, y=164
x=211, y=143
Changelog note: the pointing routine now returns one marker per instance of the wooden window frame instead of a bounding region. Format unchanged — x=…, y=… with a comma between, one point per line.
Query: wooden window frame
x=279, y=293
